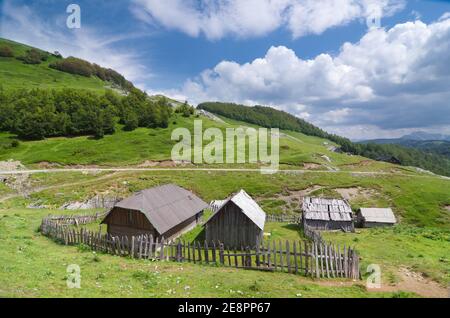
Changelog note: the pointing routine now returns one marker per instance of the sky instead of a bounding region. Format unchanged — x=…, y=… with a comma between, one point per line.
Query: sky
x=363, y=69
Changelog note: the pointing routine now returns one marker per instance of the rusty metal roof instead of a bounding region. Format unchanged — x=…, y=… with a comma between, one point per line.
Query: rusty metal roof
x=166, y=206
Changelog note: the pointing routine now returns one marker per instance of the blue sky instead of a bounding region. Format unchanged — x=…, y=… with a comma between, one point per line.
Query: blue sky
x=284, y=53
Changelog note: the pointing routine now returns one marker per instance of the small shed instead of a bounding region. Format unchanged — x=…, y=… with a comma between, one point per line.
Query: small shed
x=167, y=211
x=368, y=218
x=237, y=222
x=327, y=214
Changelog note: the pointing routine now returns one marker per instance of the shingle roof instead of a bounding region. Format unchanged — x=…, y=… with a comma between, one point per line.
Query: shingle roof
x=248, y=206
x=326, y=209
x=165, y=206
x=378, y=215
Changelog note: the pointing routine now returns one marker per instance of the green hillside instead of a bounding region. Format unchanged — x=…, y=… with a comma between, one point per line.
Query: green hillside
x=269, y=117
x=134, y=131
x=15, y=74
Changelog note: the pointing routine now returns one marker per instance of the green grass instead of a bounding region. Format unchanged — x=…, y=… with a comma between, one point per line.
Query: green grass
x=416, y=201
x=33, y=266
x=15, y=74
x=424, y=250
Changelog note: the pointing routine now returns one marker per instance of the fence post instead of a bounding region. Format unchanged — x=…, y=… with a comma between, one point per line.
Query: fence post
x=221, y=254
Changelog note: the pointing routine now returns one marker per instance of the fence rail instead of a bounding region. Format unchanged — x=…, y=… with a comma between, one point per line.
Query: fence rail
x=315, y=259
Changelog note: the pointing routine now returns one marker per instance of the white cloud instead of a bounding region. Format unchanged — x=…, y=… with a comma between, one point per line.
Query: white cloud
x=251, y=18
x=21, y=24
x=391, y=79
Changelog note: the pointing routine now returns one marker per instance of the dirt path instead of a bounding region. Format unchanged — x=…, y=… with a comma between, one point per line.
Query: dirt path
x=415, y=283
x=40, y=189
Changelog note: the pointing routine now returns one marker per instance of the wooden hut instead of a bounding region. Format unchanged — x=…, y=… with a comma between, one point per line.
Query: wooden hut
x=327, y=214
x=368, y=218
x=237, y=222
x=166, y=211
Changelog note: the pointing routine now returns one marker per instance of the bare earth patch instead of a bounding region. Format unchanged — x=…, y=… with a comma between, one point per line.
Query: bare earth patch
x=415, y=283
x=447, y=207
x=163, y=164
x=311, y=166
x=352, y=193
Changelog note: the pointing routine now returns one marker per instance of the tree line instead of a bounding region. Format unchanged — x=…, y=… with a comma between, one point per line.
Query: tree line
x=272, y=118
x=71, y=65
x=39, y=113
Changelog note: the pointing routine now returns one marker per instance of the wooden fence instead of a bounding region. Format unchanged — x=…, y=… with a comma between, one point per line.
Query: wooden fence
x=284, y=219
x=314, y=259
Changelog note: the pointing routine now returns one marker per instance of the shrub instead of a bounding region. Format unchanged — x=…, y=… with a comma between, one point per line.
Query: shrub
x=6, y=51
x=74, y=65
x=33, y=56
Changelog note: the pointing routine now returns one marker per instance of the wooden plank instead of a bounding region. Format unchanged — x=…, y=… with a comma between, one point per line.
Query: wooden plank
x=269, y=264
x=206, y=253
x=345, y=262
x=317, y=270
x=199, y=250
x=288, y=256
x=306, y=258
x=236, y=262
x=331, y=256
x=221, y=254
x=274, y=255
x=327, y=260
x=152, y=249
x=214, y=253
x=161, y=249
x=281, y=255
x=189, y=251
x=295, y=258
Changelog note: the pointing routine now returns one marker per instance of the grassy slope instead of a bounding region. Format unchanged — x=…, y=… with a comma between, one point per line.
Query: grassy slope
x=424, y=250
x=37, y=274
x=16, y=74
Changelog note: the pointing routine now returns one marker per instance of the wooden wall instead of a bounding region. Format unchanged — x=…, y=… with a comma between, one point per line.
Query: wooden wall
x=122, y=222
x=329, y=225
x=233, y=228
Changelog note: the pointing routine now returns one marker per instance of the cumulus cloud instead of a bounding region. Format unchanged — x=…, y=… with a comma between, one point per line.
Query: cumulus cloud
x=394, y=79
x=251, y=18
x=21, y=24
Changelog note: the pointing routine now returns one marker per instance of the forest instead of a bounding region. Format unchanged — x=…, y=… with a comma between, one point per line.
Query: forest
x=40, y=113
x=272, y=118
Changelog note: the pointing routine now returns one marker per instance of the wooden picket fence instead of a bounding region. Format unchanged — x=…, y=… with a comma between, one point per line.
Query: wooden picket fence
x=284, y=219
x=314, y=259
x=75, y=219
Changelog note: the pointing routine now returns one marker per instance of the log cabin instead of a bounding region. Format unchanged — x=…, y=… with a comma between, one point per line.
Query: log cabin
x=165, y=212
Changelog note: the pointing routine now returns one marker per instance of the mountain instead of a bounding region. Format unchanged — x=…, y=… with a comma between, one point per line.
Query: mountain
x=430, y=143
x=23, y=66
x=272, y=118
x=424, y=136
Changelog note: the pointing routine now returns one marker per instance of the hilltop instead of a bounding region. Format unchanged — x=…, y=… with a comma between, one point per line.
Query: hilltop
x=23, y=66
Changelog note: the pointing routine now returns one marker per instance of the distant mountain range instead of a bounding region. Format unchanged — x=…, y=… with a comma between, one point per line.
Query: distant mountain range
x=430, y=143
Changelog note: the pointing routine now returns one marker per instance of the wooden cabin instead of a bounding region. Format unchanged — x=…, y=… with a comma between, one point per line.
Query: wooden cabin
x=237, y=222
x=167, y=211
x=327, y=214
x=369, y=218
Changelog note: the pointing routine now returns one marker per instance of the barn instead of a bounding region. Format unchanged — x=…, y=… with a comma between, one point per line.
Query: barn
x=368, y=218
x=327, y=214
x=237, y=222
x=167, y=211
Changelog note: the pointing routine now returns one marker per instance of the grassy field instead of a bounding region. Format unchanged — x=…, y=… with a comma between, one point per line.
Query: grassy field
x=423, y=250
x=39, y=270
x=416, y=201
x=16, y=74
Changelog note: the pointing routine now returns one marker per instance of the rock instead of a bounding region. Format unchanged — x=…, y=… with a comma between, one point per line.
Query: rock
x=97, y=202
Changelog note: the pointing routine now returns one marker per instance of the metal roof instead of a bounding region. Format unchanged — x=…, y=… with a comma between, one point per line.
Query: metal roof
x=378, y=215
x=247, y=205
x=166, y=206
x=326, y=209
